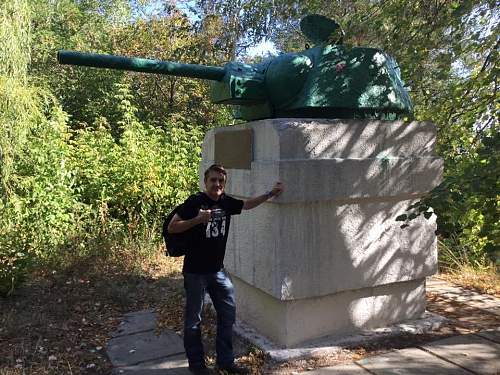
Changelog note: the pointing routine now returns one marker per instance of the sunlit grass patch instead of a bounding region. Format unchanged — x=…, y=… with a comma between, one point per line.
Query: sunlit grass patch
x=460, y=265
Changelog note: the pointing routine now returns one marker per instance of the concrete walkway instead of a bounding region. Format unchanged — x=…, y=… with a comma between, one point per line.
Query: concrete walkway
x=457, y=355
x=479, y=301
x=135, y=347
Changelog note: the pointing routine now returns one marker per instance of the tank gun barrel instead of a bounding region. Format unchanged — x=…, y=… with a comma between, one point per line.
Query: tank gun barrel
x=213, y=73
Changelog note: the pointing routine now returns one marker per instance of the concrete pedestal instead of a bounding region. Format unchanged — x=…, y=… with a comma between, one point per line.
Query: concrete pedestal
x=328, y=256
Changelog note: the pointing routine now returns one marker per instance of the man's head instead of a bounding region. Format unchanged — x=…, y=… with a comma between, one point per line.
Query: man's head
x=215, y=181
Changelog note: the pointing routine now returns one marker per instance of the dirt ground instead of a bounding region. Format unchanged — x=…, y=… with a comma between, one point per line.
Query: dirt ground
x=60, y=321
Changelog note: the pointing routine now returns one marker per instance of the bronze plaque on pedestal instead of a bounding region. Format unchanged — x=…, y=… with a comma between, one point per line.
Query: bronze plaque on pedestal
x=233, y=148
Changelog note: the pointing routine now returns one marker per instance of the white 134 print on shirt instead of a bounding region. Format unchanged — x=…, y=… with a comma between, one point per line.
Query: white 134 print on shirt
x=217, y=225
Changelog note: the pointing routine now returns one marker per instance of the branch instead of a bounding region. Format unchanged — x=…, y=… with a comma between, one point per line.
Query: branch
x=486, y=61
x=483, y=67
x=480, y=131
x=157, y=84
x=375, y=8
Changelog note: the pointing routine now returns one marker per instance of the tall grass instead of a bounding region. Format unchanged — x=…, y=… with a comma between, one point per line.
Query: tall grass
x=460, y=265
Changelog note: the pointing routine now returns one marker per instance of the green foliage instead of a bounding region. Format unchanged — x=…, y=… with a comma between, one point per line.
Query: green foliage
x=36, y=198
x=468, y=204
x=161, y=98
x=37, y=205
x=87, y=26
x=14, y=39
x=33, y=181
x=88, y=94
x=138, y=174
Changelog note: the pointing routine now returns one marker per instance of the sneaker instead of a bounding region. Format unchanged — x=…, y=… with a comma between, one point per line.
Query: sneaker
x=234, y=369
x=200, y=370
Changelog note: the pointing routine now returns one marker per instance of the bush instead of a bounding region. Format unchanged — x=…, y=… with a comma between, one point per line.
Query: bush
x=139, y=175
x=37, y=204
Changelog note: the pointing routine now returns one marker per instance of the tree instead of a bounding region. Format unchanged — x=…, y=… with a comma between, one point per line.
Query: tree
x=159, y=97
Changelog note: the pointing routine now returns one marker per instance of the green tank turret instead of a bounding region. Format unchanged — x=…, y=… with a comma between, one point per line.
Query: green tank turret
x=328, y=80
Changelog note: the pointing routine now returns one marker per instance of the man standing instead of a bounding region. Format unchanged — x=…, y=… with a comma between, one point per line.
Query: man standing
x=208, y=216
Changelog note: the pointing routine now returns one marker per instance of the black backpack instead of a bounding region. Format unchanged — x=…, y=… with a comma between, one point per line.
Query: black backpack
x=177, y=244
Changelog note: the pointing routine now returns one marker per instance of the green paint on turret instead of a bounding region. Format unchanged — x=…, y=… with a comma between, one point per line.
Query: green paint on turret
x=329, y=80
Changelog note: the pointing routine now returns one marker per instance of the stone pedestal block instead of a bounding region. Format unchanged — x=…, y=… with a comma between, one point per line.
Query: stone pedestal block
x=328, y=256
x=292, y=322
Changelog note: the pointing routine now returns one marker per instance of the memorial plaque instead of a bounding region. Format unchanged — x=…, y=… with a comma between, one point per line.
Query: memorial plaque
x=233, y=148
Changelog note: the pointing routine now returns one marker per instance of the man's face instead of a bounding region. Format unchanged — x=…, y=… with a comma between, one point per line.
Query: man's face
x=215, y=183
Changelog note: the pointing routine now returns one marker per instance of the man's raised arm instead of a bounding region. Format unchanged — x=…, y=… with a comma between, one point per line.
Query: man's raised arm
x=254, y=202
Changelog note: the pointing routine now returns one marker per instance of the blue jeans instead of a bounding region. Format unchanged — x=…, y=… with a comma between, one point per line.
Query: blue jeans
x=221, y=291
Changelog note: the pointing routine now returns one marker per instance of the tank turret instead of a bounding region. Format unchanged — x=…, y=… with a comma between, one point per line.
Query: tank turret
x=329, y=80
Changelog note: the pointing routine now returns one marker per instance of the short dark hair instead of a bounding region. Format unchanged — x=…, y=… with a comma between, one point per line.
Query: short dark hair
x=216, y=168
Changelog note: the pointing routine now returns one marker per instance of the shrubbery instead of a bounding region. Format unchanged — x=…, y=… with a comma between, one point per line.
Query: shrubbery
x=67, y=186
x=137, y=176
x=37, y=204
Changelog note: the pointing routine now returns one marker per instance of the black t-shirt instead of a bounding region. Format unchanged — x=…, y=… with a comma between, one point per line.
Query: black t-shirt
x=208, y=241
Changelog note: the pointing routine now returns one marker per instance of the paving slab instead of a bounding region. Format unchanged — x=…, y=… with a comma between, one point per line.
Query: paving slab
x=141, y=347
x=349, y=369
x=493, y=335
x=176, y=365
x=411, y=361
x=472, y=352
x=485, y=302
x=136, y=322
